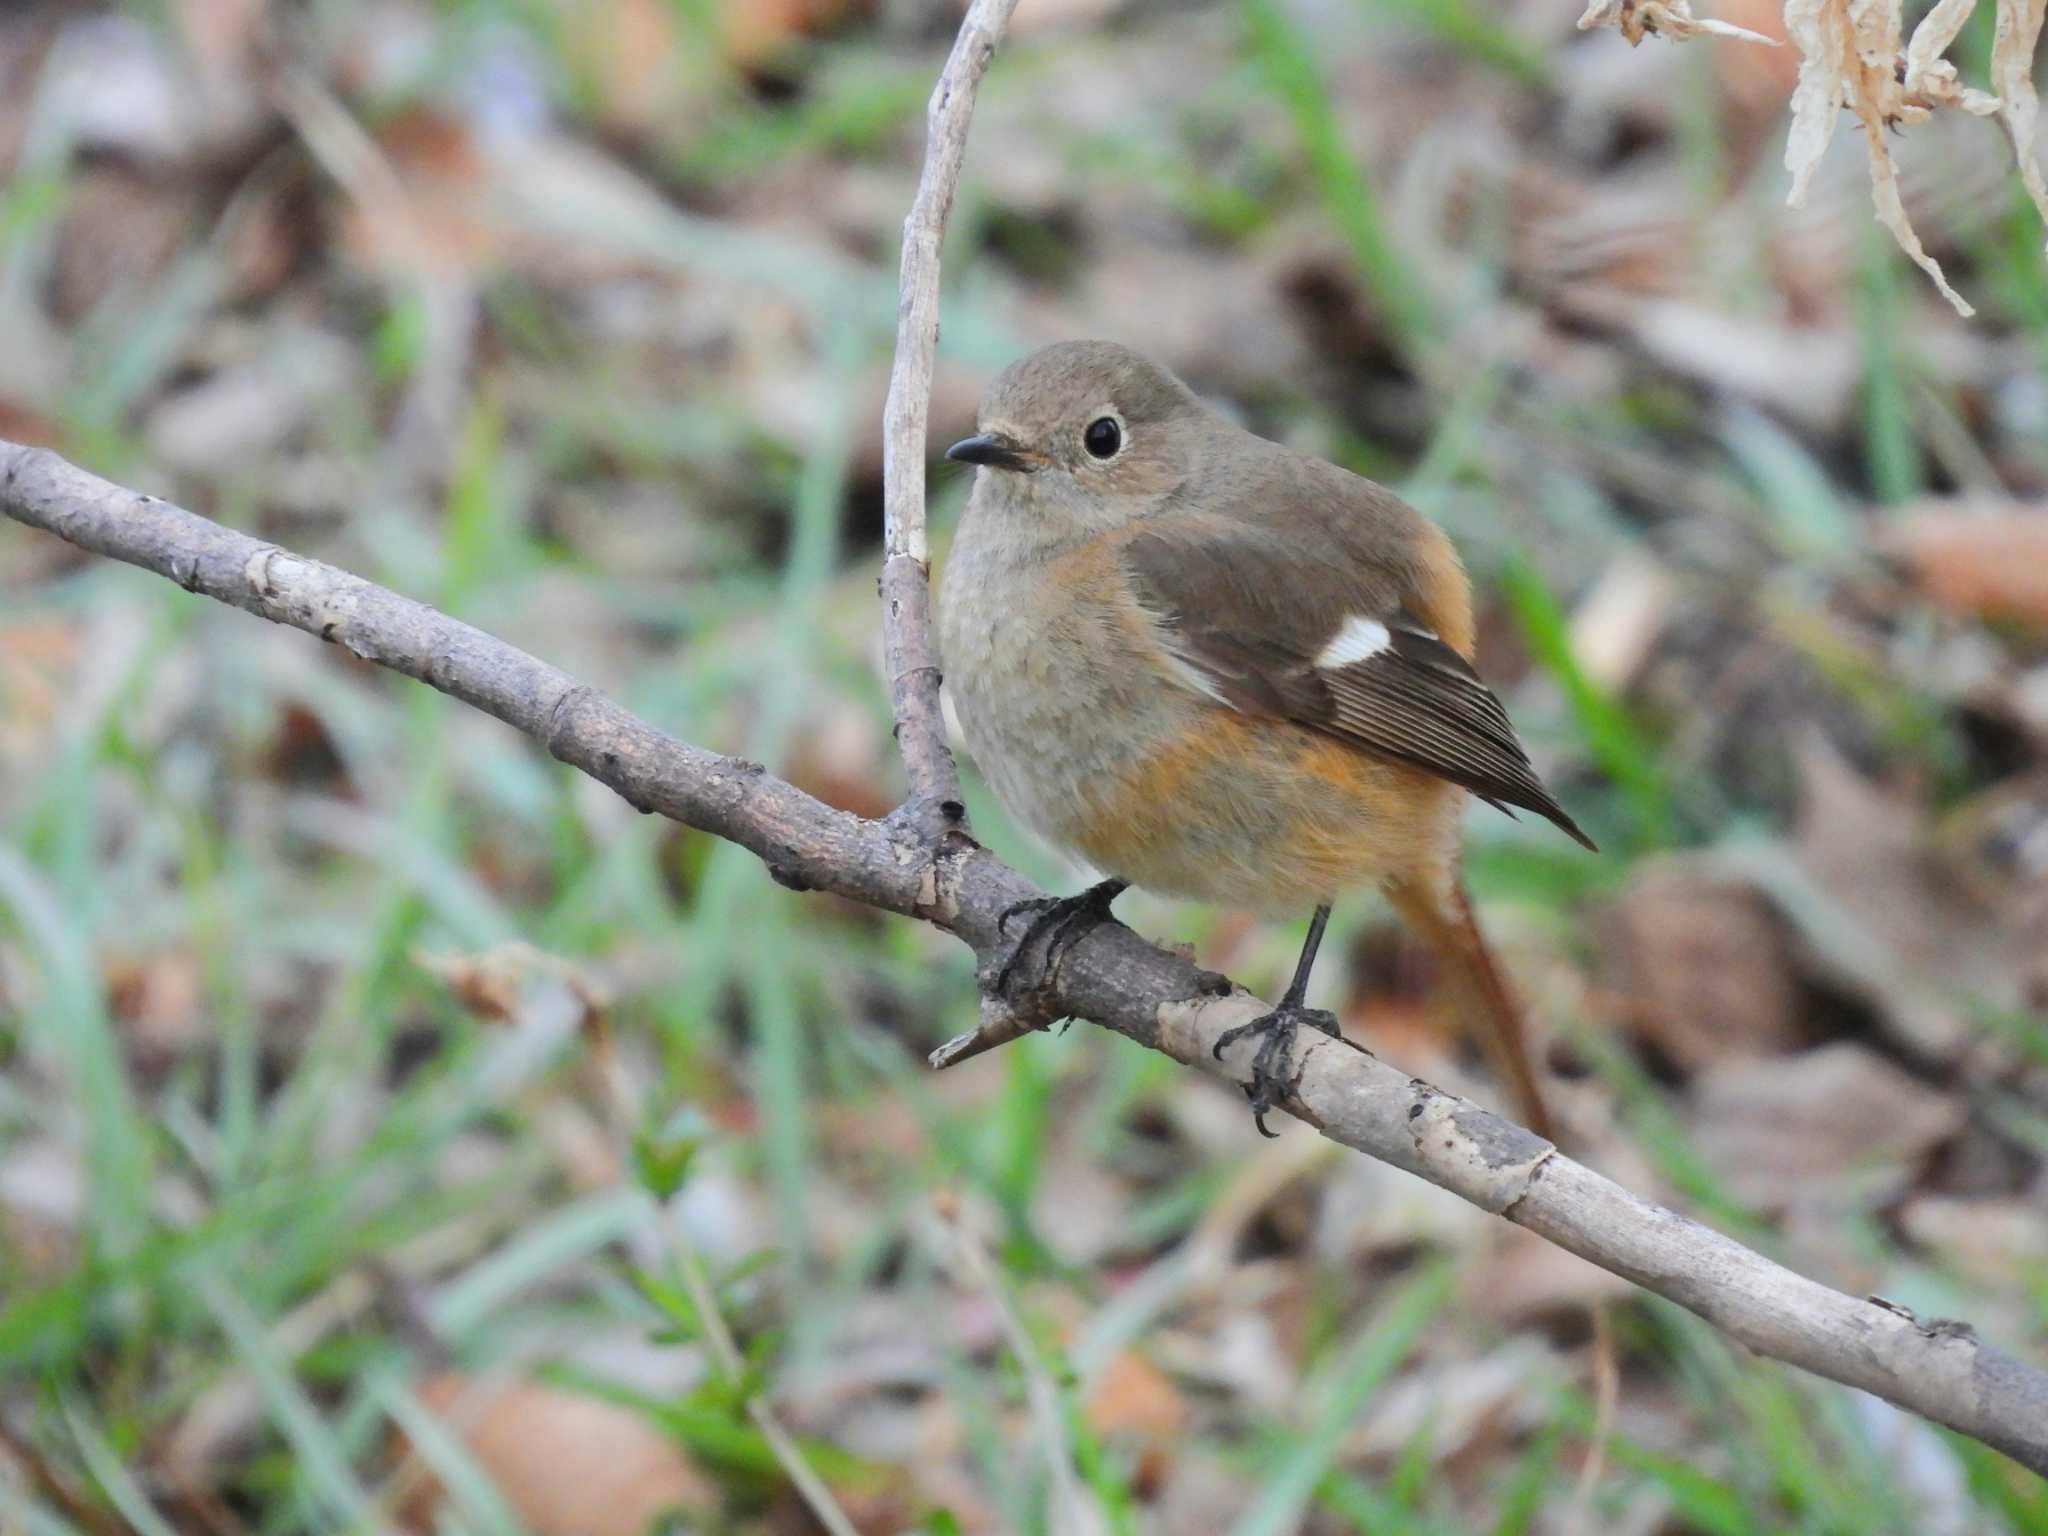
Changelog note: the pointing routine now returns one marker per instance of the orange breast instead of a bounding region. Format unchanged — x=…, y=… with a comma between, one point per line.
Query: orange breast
x=1267, y=816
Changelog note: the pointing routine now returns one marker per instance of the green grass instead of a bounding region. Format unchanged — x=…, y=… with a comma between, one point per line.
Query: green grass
x=1891, y=441
x=1287, y=61
x=1472, y=31
x=1347, y=1382
x=298, y=839
x=1624, y=754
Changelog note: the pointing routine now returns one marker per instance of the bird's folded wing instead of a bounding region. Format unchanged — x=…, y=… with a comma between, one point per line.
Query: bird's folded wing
x=1329, y=641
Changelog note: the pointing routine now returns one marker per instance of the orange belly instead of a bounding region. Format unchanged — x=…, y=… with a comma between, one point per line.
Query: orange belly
x=1268, y=817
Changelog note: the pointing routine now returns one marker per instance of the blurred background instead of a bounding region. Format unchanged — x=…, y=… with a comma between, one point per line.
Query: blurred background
x=399, y=1132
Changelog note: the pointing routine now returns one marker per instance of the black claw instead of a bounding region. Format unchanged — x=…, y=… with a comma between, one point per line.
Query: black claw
x=1057, y=922
x=1272, y=1067
x=1259, y=1108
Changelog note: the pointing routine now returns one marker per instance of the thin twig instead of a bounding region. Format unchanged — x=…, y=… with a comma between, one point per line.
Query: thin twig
x=623, y=1094
x=907, y=649
x=1074, y=1513
x=732, y=1366
x=1606, y=1398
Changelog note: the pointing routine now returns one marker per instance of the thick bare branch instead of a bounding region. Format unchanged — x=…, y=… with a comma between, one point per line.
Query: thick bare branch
x=906, y=562
x=803, y=842
x=1937, y=1369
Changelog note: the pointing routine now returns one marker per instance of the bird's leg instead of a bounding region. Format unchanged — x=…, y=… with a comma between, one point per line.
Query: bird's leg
x=1269, y=1079
x=1056, y=922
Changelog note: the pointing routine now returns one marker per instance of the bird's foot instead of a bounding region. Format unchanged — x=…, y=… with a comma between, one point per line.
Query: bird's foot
x=1271, y=1068
x=1056, y=923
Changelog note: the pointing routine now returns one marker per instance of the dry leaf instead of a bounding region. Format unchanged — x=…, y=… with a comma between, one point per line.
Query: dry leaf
x=1883, y=918
x=1850, y=55
x=842, y=757
x=38, y=664
x=1994, y=1242
x=159, y=1000
x=2012, y=72
x=1703, y=967
x=1989, y=566
x=569, y=1465
x=119, y=234
x=1636, y=19
x=630, y=56
x=418, y=201
x=1616, y=626
x=43, y=1198
x=756, y=30
x=1523, y=1279
x=1853, y=54
x=1133, y=1396
x=1818, y=1127
x=23, y=424
x=1460, y=1408
x=508, y=981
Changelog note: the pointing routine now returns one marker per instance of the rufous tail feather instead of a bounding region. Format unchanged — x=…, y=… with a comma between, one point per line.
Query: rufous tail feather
x=1477, y=986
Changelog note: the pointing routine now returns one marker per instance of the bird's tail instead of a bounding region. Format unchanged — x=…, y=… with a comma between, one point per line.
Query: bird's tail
x=1479, y=990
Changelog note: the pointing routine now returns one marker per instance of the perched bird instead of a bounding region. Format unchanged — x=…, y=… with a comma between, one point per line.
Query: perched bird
x=1219, y=669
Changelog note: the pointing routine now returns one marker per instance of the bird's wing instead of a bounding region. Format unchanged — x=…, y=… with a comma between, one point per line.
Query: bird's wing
x=1331, y=640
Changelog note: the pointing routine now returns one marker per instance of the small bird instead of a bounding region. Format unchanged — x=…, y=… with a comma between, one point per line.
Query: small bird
x=1219, y=669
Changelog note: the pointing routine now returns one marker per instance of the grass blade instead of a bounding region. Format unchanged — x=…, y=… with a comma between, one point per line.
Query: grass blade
x=1350, y=1384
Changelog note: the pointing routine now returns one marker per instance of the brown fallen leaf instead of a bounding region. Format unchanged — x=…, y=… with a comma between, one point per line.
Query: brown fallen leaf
x=1702, y=966
x=20, y=423
x=1521, y=1278
x=37, y=662
x=506, y=982
x=159, y=1000
x=568, y=1465
x=1996, y=1242
x=1991, y=565
x=1135, y=1397
x=119, y=233
x=756, y=30
x=1460, y=1407
x=1617, y=625
x=842, y=757
x=418, y=202
x=1832, y=1123
x=629, y=55
x=1757, y=82
x=1884, y=916
x=43, y=1199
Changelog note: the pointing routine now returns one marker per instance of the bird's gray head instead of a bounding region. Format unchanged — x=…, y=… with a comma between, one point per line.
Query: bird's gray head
x=1084, y=427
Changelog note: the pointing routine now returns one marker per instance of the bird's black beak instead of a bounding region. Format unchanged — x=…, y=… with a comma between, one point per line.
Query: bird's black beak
x=991, y=449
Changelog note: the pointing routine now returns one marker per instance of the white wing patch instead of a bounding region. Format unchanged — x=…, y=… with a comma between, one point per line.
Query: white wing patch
x=1192, y=677
x=1359, y=640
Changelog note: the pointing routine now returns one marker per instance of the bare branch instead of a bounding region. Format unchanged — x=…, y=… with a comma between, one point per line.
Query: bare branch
x=804, y=842
x=906, y=562
x=1938, y=1369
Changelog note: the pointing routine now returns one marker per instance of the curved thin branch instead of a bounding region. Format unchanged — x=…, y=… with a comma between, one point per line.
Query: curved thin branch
x=906, y=561
x=1938, y=1369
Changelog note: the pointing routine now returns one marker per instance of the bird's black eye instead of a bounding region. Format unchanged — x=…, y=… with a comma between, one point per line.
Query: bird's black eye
x=1103, y=437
